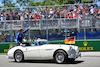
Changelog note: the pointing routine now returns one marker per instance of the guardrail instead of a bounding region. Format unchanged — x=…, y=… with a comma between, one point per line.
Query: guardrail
x=38, y=24
x=51, y=24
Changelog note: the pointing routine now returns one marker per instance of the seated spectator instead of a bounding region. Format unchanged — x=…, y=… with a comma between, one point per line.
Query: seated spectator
x=80, y=16
x=91, y=10
x=67, y=16
x=7, y=17
x=36, y=16
x=2, y=17
x=74, y=15
x=70, y=15
x=58, y=14
x=2, y=39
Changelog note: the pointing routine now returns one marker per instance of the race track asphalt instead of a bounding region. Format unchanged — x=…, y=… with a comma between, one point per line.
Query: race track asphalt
x=88, y=59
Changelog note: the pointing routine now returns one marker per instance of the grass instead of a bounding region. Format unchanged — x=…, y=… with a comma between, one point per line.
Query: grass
x=2, y=53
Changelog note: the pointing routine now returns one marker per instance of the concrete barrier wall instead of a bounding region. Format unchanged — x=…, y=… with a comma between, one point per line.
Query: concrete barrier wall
x=84, y=45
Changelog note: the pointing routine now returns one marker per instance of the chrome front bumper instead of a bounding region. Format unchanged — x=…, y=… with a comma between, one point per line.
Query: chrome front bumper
x=75, y=56
x=9, y=57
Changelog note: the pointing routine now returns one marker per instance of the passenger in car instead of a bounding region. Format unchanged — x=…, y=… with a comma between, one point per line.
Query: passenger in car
x=19, y=37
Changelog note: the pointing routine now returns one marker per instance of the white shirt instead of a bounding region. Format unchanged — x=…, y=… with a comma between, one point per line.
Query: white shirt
x=91, y=11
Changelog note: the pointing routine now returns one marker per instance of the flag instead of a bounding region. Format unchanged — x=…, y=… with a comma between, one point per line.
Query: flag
x=69, y=41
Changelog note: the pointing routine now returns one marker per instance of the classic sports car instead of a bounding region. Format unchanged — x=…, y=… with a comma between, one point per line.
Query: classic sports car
x=43, y=50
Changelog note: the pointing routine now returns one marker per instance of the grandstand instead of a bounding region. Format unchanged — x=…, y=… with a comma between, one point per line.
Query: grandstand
x=51, y=22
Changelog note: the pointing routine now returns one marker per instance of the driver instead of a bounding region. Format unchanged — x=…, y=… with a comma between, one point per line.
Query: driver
x=19, y=37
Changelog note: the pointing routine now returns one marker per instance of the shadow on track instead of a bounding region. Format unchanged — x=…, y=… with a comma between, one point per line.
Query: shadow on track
x=48, y=61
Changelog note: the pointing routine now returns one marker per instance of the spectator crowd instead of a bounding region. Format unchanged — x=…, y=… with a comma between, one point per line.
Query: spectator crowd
x=50, y=13
x=57, y=12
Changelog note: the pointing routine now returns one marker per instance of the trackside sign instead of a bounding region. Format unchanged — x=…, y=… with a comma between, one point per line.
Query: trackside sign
x=86, y=47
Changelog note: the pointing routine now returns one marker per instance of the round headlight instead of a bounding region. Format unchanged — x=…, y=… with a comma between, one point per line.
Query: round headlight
x=71, y=49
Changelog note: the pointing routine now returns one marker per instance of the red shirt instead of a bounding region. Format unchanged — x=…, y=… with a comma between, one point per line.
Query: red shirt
x=66, y=16
x=75, y=16
x=61, y=12
x=36, y=17
x=70, y=16
x=54, y=10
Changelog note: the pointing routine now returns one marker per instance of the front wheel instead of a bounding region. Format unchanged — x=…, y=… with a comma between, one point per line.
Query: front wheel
x=18, y=56
x=60, y=56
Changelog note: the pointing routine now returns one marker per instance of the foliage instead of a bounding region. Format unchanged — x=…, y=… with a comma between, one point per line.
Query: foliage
x=23, y=2
x=87, y=1
x=62, y=2
x=58, y=2
x=8, y=3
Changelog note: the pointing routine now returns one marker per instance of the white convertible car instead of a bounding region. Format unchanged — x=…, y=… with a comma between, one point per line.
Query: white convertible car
x=43, y=50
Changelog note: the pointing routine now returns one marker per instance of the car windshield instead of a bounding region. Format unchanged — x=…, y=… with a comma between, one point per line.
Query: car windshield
x=43, y=42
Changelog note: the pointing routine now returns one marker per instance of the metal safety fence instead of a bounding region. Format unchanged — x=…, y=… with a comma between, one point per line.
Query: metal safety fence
x=49, y=20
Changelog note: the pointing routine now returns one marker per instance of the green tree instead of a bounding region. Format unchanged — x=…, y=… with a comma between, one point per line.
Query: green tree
x=48, y=2
x=8, y=3
x=86, y=1
x=57, y=2
x=43, y=3
x=52, y=2
x=34, y=3
x=23, y=2
x=62, y=2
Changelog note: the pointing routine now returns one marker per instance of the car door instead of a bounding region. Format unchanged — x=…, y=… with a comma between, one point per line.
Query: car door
x=32, y=52
x=46, y=51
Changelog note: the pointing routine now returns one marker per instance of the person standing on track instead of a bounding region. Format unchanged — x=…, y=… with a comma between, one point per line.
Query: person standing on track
x=19, y=37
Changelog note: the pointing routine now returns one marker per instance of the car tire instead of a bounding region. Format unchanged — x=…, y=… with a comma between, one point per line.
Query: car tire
x=18, y=56
x=60, y=56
